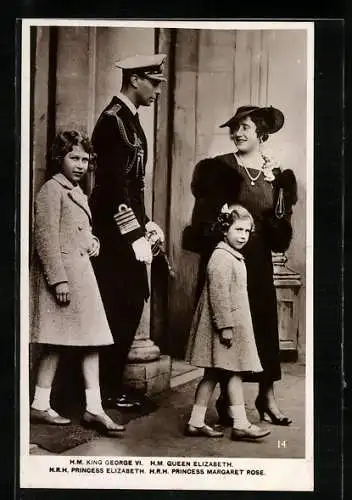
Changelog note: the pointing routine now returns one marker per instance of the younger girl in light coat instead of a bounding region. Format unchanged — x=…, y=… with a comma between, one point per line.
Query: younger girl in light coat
x=67, y=309
x=222, y=339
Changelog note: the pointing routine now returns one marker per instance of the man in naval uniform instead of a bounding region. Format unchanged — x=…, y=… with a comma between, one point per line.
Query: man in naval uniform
x=119, y=218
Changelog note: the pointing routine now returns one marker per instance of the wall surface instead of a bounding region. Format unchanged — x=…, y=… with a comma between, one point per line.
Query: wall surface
x=287, y=88
x=40, y=97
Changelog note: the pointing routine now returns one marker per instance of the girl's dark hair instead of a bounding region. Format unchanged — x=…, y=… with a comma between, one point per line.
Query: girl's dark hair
x=260, y=125
x=63, y=144
x=226, y=219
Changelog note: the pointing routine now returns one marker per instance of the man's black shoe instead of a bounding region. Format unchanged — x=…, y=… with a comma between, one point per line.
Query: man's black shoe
x=122, y=402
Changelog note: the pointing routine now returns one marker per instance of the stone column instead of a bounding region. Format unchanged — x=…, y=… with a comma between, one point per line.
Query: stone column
x=287, y=283
x=143, y=348
x=147, y=370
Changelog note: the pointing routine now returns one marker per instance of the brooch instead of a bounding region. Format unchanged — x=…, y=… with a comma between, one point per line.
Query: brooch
x=269, y=165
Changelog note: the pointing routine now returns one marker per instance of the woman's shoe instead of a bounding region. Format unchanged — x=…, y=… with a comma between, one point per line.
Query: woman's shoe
x=205, y=431
x=263, y=409
x=102, y=423
x=48, y=416
x=251, y=433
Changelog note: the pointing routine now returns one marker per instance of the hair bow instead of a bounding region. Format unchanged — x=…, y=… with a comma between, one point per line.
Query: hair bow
x=225, y=209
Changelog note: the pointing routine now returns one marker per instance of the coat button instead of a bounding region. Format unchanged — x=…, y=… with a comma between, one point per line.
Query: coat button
x=82, y=253
x=80, y=228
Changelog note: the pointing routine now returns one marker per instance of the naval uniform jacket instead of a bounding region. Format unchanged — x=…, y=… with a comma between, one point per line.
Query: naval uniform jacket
x=117, y=200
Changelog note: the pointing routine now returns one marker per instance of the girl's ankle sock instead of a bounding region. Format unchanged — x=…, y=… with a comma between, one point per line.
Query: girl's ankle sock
x=197, y=416
x=41, y=400
x=93, y=401
x=238, y=413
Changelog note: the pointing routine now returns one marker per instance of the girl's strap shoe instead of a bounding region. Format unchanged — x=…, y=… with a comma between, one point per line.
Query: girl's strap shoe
x=251, y=433
x=205, y=431
x=48, y=416
x=102, y=423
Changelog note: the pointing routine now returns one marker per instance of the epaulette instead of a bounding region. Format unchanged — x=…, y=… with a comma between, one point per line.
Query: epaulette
x=113, y=110
x=121, y=126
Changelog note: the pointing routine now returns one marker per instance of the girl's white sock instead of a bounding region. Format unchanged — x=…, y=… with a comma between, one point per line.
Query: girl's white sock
x=238, y=413
x=197, y=416
x=93, y=401
x=41, y=400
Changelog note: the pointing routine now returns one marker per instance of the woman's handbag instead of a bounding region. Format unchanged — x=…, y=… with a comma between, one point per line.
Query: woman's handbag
x=278, y=223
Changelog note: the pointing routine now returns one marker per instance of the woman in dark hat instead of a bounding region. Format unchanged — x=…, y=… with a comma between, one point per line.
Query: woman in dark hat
x=250, y=178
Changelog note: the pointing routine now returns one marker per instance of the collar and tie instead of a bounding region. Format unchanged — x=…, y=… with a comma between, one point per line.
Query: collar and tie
x=139, y=126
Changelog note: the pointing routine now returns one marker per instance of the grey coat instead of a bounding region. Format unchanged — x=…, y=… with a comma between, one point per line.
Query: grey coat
x=62, y=239
x=224, y=304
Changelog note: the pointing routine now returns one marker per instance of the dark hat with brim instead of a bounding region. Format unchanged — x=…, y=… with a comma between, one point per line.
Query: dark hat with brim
x=272, y=117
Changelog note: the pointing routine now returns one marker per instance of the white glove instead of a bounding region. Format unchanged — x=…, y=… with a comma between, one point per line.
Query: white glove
x=142, y=250
x=153, y=226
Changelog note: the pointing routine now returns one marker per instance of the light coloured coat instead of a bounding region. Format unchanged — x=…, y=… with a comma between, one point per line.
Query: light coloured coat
x=224, y=304
x=63, y=238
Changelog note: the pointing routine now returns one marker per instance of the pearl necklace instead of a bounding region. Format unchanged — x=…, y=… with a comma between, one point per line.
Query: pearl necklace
x=252, y=179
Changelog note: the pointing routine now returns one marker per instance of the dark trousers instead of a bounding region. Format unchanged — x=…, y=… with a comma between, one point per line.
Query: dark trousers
x=123, y=296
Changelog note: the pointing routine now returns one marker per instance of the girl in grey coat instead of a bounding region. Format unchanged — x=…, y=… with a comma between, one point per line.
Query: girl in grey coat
x=66, y=306
x=221, y=338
